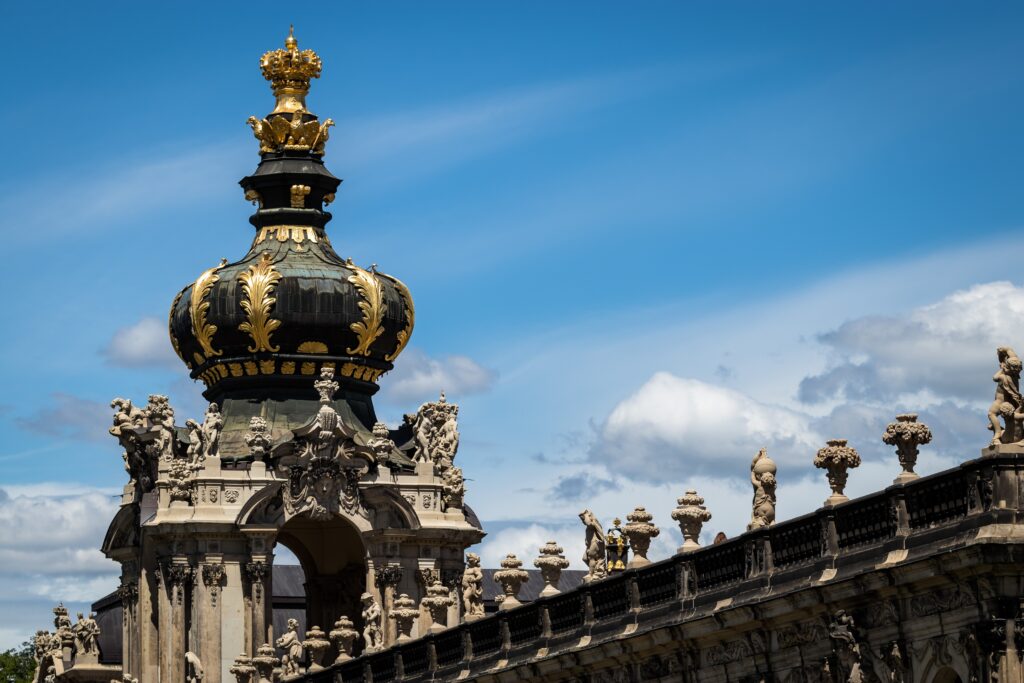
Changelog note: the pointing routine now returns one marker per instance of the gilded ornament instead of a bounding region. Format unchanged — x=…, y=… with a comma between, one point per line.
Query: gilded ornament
x=254, y=197
x=289, y=72
x=299, y=193
x=410, y=317
x=328, y=198
x=170, y=330
x=258, y=284
x=250, y=368
x=266, y=367
x=236, y=369
x=288, y=368
x=314, y=347
x=294, y=233
x=308, y=368
x=198, y=307
x=372, y=305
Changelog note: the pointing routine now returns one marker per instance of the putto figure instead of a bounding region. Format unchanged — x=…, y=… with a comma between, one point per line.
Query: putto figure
x=373, y=635
x=1007, y=403
x=212, y=424
x=595, y=542
x=762, y=477
x=292, y=647
x=473, y=588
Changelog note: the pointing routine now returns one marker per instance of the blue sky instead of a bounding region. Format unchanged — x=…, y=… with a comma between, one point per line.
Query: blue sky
x=643, y=240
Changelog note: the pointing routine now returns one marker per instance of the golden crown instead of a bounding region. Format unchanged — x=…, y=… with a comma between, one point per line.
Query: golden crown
x=289, y=72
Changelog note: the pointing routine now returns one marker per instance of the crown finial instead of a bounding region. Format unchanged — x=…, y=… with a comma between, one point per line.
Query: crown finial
x=289, y=72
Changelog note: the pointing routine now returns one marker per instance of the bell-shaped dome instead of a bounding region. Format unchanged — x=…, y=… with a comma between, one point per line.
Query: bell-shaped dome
x=267, y=323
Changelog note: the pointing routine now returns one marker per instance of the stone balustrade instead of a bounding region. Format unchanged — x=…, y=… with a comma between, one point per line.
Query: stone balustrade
x=919, y=520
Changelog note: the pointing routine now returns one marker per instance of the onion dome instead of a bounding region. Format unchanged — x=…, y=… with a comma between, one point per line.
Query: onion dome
x=264, y=326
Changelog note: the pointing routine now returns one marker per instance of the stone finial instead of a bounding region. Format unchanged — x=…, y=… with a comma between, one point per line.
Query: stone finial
x=404, y=613
x=836, y=459
x=343, y=635
x=242, y=669
x=316, y=645
x=906, y=434
x=551, y=563
x=257, y=439
x=326, y=386
x=473, y=588
x=1008, y=403
x=511, y=578
x=762, y=478
x=691, y=515
x=437, y=601
x=640, y=531
x=265, y=662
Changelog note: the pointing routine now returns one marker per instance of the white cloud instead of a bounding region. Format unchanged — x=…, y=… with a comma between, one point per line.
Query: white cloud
x=673, y=427
x=946, y=348
x=417, y=376
x=50, y=551
x=145, y=343
x=525, y=541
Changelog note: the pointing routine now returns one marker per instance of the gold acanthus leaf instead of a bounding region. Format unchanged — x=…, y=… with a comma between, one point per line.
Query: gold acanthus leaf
x=258, y=284
x=170, y=330
x=410, y=317
x=198, y=307
x=369, y=328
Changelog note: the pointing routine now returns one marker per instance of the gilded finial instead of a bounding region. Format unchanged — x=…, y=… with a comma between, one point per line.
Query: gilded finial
x=290, y=126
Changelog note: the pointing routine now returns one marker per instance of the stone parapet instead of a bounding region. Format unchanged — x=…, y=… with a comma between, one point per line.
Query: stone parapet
x=927, y=571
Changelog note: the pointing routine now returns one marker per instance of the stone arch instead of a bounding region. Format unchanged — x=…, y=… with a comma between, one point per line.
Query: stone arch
x=123, y=531
x=946, y=675
x=265, y=508
x=392, y=511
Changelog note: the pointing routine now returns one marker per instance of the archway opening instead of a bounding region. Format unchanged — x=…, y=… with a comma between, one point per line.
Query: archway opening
x=947, y=675
x=332, y=559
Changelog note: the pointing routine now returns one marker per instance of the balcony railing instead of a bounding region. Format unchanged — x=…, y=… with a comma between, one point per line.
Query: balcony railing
x=945, y=503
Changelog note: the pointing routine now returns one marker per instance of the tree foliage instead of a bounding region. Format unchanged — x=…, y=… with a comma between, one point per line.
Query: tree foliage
x=17, y=664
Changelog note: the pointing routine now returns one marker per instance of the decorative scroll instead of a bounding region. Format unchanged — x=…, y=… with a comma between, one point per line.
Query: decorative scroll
x=410, y=317
x=372, y=305
x=198, y=307
x=258, y=284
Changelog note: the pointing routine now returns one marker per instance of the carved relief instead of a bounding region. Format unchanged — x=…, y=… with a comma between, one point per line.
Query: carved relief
x=213, y=578
x=371, y=304
x=802, y=634
x=945, y=600
x=199, y=305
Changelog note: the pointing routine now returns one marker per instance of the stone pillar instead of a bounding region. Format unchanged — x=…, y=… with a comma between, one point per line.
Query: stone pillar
x=257, y=574
x=177, y=574
x=386, y=578
x=208, y=616
x=128, y=593
x=151, y=594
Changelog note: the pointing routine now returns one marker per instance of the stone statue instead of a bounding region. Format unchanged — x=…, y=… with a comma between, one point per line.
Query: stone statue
x=196, y=452
x=213, y=422
x=257, y=439
x=551, y=562
x=594, y=555
x=454, y=488
x=436, y=433
x=762, y=478
x=1007, y=403
x=40, y=644
x=473, y=588
x=193, y=668
x=836, y=459
x=373, y=634
x=160, y=418
x=129, y=421
x=846, y=646
x=86, y=632
x=292, y=647
x=691, y=515
x=892, y=656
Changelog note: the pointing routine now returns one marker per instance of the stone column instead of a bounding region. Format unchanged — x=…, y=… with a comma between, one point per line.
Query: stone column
x=387, y=577
x=151, y=593
x=128, y=593
x=177, y=574
x=208, y=617
x=257, y=574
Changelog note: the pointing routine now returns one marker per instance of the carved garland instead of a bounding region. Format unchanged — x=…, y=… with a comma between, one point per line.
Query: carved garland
x=369, y=328
x=198, y=307
x=410, y=317
x=258, y=284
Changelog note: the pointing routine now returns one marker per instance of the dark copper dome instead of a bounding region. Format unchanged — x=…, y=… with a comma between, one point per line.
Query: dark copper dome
x=270, y=321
